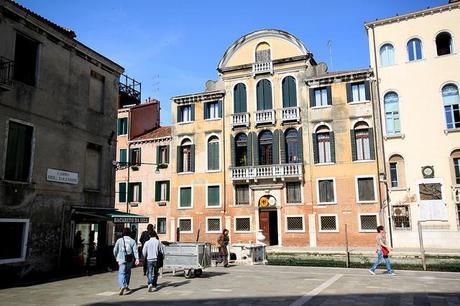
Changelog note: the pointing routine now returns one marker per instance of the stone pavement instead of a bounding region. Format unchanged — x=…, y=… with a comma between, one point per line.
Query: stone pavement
x=250, y=285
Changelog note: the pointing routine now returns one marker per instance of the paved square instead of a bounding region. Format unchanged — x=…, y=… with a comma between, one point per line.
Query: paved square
x=250, y=285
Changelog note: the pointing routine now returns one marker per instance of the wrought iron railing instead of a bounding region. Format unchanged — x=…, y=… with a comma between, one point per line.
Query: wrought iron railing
x=6, y=71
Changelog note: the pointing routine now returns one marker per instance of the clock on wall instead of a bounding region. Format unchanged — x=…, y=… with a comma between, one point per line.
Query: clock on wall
x=428, y=172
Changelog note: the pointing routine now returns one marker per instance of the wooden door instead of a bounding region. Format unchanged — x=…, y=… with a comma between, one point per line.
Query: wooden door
x=264, y=225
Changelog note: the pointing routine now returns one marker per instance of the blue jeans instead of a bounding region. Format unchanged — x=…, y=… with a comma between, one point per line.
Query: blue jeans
x=152, y=272
x=124, y=274
x=379, y=260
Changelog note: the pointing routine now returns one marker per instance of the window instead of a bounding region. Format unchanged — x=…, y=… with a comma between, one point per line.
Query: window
x=135, y=156
x=323, y=145
x=213, y=225
x=456, y=163
x=213, y=110
x=18, y=152
x=162, y=155
x=185, y=197
x=266, y=148
x=367, y=223
x=294, y=224
x=359, y=92
x=93, y=166
x=122, y=192
x=135, y=192
x=185, y=113
x=162, y=191
x=401, y=217
x=451, y=100
x=387, y=55
x=397, y=171
x=15, y=242
x=161, y=226
x=391, y=101
x=213, y=153
x=264, y=95
x=96, y=91
x=122, y=126
x=213, y=196
x=414, y=49
x=239, y=98
x=186, y=156
x=326, y=191
x=263, y=53
x=292, y=146
x=185, y=225
x=242, y=194
x=362, y=139
x=394, y=174
x=25, y=60
x=241, y=150
x=289, y=92
x=328, y=223
x=123, y=159
x=444, y=43
x=242, y=224
x=293, y=192
x=365, y=189
x=320, y=96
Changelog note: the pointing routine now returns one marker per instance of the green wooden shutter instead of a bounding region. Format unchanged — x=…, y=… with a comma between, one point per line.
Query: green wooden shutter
x=167, y=190
x=121, y=192
x=123, y=156
x=219, y=108
x=300, y=145
x=233, y=150
x=192, y=112
x=158, y=155
x=157, y=191
x=18, y=153
x=276, y=147
x=255, y=146
x=260, y=95
x=192, y=158
x=329, y=95
x=140, y=192
x=243, y=99
x=285, y=88
x=371, y=143
x=312, y=97
x=267, y=95
x=179, y=160
x=283, y=147
x=349, y=93
x=167, y=154
x=130, y=192
x=367, y=89
x=236, y=99
x=332, y=143
x=315, y=148
x=292, y=92
x=249, y=150
x=179, y=114
x=354, y=154
x=216, y=155
x=118, y=126
x=140, y=158
x=206, y=110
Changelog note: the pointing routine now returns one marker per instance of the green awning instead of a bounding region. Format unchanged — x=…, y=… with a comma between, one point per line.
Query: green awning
x=92, y=214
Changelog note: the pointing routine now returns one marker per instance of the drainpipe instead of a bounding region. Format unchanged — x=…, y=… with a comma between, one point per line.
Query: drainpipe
x=224, y=198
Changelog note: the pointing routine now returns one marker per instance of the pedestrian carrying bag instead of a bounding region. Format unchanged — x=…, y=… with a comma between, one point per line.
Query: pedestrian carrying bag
x=385, y=252
x=128, y=257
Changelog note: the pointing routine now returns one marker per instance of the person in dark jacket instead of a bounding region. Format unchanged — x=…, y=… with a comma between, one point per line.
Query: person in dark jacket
x=223, y=243
x=145, y=236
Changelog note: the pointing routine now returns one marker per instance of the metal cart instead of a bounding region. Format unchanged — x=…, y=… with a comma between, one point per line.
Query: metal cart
x=190, y=257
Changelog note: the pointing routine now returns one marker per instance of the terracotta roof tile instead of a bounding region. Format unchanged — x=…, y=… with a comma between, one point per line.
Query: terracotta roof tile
x=161, y=132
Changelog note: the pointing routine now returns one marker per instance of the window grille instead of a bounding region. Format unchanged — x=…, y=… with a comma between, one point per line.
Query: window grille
x=368, y=222
x=243, y=224
x=214, y=225
x=328, y=223
x=401, y=217
x=295, y=223
x=185, y=225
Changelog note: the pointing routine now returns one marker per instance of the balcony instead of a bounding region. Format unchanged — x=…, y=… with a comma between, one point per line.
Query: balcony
x=262, y=67
x=265, y=117
x=240, y=119
x=6, y=73
x=290, y=114
x=267, y=171
x=129, y=92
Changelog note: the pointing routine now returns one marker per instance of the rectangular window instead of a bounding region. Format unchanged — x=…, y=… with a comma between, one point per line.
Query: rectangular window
x=15, y=242
x=163, y=155
x=18, y=152
x=401, y=217
x=293, y=192
x=93, y=166
x=161, y=226
x=162, y=191
x=321, y=96
x=242, y=194
x=211, y=110
x=25, y=60
x=185, y=197
x=242, y=224
x=366, y=190
x=394, y=174
x=185, y=113
x=326, y=191
x=367, y=223
x=135, y=192
x=122, y=126
x=363, y=145
x=457, y=170
x=324, y=147
x=328, y=223
x=294, y=224
x=123, y=156
x=213, y=225
x=96, y=91
x=121, y=192
x=185, y=225
x=213, y=196
x=135, y=156
x=358, y=92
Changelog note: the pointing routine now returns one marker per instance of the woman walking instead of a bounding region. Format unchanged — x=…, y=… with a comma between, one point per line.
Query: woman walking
x=382, y=252
x=223, y=243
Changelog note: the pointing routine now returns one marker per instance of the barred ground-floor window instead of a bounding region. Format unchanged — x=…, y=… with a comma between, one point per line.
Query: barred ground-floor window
x=242, y=224
x=368, y=223
x=213, y=225
x=295, y=224
x=186, y=225
x=401, y=217
x=328, y=223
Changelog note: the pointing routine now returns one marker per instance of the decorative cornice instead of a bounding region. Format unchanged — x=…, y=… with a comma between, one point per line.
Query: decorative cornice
x=199, y=97
x=150, y=140
x=346, y=76
x=292, y=59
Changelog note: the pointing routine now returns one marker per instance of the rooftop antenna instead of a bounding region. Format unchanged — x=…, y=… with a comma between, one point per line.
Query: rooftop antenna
x=156, y=83
x=329, y=45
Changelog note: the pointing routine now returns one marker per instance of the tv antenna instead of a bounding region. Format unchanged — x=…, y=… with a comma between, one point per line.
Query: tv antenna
x=329, y=45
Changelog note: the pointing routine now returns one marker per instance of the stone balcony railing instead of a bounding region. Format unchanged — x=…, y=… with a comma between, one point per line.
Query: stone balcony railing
x=290, y=114
x=265, y=116
x=262, y=67
x=267, y=171
x=240, y=119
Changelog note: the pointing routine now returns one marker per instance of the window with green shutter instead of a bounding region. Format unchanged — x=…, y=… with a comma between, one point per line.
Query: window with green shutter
x=212, y=110
x=213, y=196
x=121, y=192
x=213, y=153
x=161, y=191
x=122, y=126
x=239, y=98
x=135, y=192
x=18, y=152
x=123, y=156
x=185, y=197
x=289, y=92
x=161, y=226
x=264, y=95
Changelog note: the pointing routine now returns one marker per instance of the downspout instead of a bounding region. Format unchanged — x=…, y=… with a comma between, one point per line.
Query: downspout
x=382, y=143
x=223, y=155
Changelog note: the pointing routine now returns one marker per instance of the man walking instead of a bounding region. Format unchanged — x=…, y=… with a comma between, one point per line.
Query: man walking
x=125, y=251
x=145, y=236
x=152, y=252
x=382, y=252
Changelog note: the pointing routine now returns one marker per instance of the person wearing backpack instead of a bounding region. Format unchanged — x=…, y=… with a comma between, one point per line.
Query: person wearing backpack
x=126, y=254
x=382, y=252
x=153, y=254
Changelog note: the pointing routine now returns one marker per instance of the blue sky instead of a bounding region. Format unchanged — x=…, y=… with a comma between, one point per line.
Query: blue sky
x=173, y=47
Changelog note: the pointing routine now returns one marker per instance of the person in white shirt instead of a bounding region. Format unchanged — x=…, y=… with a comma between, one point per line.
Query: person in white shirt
x=125, y=251
x=153, y=254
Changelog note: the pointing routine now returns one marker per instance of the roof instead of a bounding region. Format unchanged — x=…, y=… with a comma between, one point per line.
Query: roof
x=344, y=75
x=161, y=132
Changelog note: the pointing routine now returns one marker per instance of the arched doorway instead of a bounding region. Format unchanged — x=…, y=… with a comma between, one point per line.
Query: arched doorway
x=268, y=219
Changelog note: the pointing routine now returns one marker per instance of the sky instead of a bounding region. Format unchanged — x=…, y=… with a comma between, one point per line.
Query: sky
x=173, y=47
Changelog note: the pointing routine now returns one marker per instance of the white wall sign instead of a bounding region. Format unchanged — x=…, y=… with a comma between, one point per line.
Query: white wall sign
x=61, y=176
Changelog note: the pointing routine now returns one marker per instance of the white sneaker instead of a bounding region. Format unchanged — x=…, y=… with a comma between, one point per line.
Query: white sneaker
x=392, y=274
x=371, y=272
x=150, y=288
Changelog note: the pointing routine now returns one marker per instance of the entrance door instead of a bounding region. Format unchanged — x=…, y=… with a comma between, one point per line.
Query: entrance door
x=268, y=223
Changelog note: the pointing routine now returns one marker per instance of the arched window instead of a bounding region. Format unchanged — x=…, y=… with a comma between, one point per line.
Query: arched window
x=396, y=170
x=186, y=156
x=451, y=103
x=444, y=43
x=362, y=142
x=241, y=150
x=391, y=101
x=387, y=55
x=239, y=98
x=292, y=143
x=264, y=95
x=414, y=49
x=323, y=142
x=263, y=53
x=213, y=153
x=289, y=92
x=455, y=156
x=266, y=148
